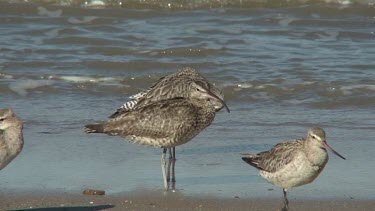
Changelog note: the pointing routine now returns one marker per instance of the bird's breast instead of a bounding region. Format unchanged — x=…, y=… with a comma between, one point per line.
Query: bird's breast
x=298, y=172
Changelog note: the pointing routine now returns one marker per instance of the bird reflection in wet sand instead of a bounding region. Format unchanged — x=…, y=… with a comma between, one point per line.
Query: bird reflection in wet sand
x=294, y=163
x=11, y=137
x=165, y=123
x=179, y=84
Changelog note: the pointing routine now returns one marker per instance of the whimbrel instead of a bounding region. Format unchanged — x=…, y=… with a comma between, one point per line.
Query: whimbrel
x=11, y=138
x=178, y=84
x=294, y=163
x=165, y=123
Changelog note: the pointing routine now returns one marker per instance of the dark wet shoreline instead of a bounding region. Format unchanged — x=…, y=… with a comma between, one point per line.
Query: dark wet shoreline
x=146, y=200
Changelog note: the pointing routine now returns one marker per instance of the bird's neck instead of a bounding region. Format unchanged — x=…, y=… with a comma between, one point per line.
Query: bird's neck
x=204, y=105
x=206, y=115
x=13, y=136
x=317, y=155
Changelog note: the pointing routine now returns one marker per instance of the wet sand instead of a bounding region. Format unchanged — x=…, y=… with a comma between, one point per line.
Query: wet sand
x=152, y=200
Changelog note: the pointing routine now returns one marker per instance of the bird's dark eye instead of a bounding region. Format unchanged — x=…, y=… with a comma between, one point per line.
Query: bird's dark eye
x=198, y=89
x=2, y=119
x=313, y=136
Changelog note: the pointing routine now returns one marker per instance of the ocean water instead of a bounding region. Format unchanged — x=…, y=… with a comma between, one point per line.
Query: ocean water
x=282, y=68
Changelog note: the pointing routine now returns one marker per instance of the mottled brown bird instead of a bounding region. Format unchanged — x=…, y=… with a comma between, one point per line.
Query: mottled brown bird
x=11, y=138
x=165, y=123
x=294, y=163
x=179, y=84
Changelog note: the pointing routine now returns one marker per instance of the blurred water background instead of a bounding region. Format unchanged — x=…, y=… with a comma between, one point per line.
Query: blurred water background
x=283, y=66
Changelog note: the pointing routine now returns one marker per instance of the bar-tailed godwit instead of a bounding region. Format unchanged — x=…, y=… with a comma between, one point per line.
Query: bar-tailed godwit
x=294, y=163
x=11, y=138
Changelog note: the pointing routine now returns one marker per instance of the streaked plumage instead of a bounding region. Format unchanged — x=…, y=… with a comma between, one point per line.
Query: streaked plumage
x=165, y=123
x=178, y=84
x=11, y=138
x=294, y=163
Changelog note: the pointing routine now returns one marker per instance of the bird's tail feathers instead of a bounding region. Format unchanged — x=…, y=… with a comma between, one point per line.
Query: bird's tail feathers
x=94, y=128
x=251, y=159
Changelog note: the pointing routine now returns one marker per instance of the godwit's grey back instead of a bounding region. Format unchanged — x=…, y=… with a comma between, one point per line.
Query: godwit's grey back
x=11, y=138
x=277, y=157
x=174, y=85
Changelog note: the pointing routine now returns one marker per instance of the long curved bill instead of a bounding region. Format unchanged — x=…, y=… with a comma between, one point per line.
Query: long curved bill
x=334, y=152
x=220, y=100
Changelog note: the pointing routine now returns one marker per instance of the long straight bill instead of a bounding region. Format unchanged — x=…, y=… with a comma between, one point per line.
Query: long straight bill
x=334, y=152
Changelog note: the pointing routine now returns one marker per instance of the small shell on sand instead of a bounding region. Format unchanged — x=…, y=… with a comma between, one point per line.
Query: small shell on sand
x=93, y=192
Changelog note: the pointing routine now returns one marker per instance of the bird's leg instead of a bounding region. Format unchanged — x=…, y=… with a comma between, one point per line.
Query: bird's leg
x=171, y=163
x=173, y=174
x=169, y=167
x=172, y=153
x=286, y=203
x=163, y=168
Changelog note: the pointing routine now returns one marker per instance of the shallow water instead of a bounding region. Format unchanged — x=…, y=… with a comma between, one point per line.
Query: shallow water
x=282, y=70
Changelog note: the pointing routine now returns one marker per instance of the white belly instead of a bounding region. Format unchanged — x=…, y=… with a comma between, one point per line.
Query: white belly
x=298, y=172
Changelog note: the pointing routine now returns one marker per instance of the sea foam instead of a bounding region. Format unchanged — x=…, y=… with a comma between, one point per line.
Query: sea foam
x=21, y=87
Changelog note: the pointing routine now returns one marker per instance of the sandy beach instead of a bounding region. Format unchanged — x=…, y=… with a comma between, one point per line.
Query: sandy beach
x=153, y=200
